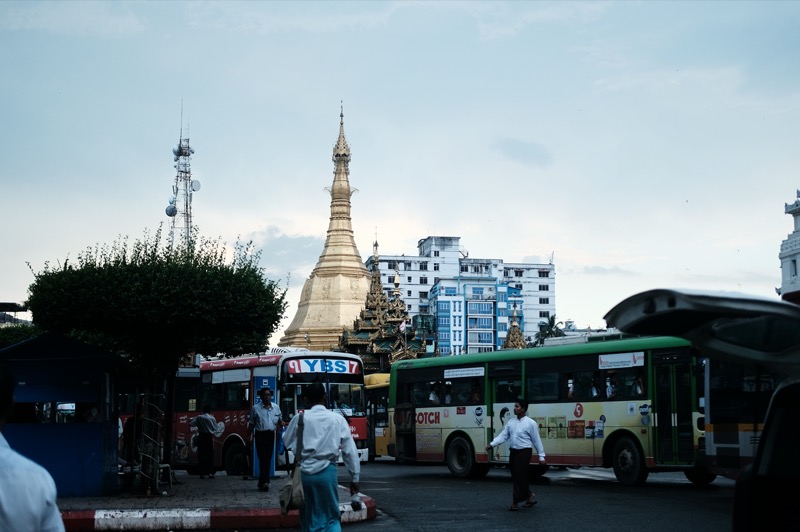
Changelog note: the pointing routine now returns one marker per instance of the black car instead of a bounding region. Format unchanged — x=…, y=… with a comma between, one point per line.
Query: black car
x=747, y=329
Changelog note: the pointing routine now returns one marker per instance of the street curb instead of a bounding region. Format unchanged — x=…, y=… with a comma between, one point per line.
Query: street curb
x=200, y=518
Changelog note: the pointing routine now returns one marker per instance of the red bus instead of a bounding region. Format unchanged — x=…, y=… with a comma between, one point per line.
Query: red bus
x=229, y=386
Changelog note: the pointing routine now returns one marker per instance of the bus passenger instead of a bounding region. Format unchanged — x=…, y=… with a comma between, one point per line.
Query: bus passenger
x=463, y=393
x=433, y=398
x=611, y=387
x=595, y=391
x=638, y=385
x=475, y=394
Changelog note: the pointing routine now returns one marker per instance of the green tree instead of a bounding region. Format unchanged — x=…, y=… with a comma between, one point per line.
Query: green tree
x=15, y=334
x=549, y=329
x=155, y=305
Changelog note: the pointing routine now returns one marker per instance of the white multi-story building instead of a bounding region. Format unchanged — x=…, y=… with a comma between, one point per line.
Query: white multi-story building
x=470, y=301
x=790, y=256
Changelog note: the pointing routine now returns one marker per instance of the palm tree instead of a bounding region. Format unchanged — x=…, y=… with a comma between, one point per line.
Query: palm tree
x=549, y=329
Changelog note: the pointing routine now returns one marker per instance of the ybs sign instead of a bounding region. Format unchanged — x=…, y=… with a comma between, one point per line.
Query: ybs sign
x=322, y=365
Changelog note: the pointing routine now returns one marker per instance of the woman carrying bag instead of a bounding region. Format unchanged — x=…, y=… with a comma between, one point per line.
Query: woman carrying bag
x=323, y=433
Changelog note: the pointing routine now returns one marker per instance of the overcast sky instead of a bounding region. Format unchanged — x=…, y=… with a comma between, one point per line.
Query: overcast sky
x=642, y=144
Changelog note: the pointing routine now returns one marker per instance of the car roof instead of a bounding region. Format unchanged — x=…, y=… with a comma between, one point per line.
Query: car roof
x=726, y=325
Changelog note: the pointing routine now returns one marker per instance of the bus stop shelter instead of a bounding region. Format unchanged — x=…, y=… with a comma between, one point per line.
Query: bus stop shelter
x=63, y=418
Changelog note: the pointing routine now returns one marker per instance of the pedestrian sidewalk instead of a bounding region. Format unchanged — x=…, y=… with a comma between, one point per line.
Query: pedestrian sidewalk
x=192, y=503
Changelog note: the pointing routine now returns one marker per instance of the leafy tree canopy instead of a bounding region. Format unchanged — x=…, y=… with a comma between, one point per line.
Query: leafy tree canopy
x=156, y=304
x=549, y=329
x=15, y=334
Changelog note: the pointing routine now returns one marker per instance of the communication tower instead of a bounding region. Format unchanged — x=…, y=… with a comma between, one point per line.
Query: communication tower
x=180, y=202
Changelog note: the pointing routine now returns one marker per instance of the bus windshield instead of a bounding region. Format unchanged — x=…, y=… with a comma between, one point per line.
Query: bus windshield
x=342, y=378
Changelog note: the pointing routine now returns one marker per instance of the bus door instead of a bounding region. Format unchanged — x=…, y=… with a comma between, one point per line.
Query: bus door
x=672, y=407
x=378, y=418
x=505, y=386
x=409, y=394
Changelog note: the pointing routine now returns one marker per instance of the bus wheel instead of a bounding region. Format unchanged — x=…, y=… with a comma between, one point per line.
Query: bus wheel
x=700, y=476
x=629, y=466
x=233, y=459
x=460, y=457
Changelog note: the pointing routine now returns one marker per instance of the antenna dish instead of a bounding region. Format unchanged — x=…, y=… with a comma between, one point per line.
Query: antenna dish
x=195, y=185
x=171, y=210
x=171, y=200
x=176, y=151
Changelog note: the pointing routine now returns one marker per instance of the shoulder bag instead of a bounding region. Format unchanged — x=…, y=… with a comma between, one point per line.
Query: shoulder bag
x=291, y=495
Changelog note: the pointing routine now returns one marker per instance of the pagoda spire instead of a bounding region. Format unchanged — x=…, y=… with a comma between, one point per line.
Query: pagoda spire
x=334, y=293
x=340, y=247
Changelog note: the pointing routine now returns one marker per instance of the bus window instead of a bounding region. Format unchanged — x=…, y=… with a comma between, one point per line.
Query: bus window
x=461, y=392
x=570, y=385
x=448, y=393
x=342, y=398
x=418, y=395
x=435, y=395
x=581, y=387
x=611, y=385
x=632, y=383
x=475, y=395
x=542, y=387
x=507, y=390
x=594, y=391
x=236, y=395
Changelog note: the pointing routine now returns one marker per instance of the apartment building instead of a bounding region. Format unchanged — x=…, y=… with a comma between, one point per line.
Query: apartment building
x=469, y=301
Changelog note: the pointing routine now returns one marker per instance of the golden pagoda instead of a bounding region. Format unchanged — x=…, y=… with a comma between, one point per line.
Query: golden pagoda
x=334, y=293
x=514, y=338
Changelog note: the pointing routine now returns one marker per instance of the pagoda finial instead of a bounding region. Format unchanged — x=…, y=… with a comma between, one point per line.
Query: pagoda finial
x=342, y=150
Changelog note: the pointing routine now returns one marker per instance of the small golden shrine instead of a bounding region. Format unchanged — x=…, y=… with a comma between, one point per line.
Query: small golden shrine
x=382, y=333
x=514, y=338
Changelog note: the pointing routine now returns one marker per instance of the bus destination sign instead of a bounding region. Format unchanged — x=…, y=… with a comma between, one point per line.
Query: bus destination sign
x=323, y=365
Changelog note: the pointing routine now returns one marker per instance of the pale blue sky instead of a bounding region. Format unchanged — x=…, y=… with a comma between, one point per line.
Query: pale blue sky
x=645, y=144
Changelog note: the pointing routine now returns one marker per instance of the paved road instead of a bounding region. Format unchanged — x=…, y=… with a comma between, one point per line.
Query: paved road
x=428, y=498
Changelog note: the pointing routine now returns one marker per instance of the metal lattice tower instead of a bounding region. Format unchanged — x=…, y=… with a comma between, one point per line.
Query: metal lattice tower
x=180, y=203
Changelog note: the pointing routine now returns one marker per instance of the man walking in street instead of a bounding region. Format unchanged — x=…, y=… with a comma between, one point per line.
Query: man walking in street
x=265, y=419
x=27, y=491
x=206, y=427
x=522, y=433
x=324, y=433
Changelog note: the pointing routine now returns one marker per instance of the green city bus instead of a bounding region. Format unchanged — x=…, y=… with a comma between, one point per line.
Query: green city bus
x=634, y=405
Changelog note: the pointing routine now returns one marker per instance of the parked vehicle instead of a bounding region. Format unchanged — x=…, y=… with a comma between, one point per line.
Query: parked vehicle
x=744, y=329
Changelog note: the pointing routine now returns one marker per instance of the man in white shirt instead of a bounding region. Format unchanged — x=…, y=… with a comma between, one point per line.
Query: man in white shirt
x=265, y=419
x=324, y=433
x=27, y=491
x=522, y=433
